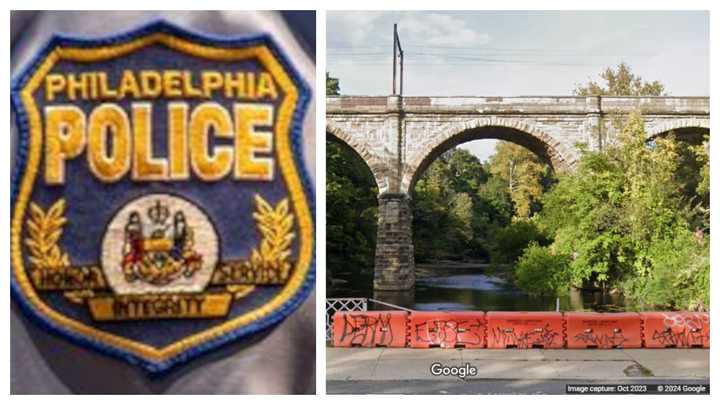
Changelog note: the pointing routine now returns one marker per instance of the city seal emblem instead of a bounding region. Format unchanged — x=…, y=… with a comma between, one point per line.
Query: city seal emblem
x=160, y=202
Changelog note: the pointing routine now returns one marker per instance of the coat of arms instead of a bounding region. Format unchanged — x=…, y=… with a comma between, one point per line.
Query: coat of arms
x=163, y=252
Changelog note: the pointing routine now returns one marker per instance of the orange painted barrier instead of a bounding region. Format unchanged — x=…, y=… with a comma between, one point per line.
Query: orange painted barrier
x=500, y=330
x=525, y=330
x=370, y=329
x=446, y=329
x=591, y=330
x=676, y=329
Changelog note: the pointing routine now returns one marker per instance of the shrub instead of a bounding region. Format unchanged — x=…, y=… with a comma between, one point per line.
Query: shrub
x=512, y=240
x=541, y=272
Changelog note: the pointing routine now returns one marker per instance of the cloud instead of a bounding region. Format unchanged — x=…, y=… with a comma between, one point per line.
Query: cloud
x=436, y=29
x=351, y=29
x=374, y=28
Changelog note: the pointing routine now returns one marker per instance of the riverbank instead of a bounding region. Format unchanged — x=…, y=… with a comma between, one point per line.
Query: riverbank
x=453, y=286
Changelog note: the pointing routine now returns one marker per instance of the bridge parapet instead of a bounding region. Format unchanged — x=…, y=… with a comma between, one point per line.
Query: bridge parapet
x=356, y=105
x=656, y=105
x=567, y=105
x=496, y=105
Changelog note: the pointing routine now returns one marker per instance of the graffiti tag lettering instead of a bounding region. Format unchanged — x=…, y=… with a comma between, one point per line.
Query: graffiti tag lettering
x=590, y=338
x=449, y=333
x=524, y=338
x=683, y=330
x=366, y=330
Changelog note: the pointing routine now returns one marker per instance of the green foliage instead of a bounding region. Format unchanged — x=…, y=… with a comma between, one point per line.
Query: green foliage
x=694, y=176
x=540, y=272
x=499, y=205
x=524, y=173
x=351, y=215
x=462, y=210
x=618, y=215
x=680, y=276
x=444, y=212
x=620, y=82
x=702, y=154
x=466, y=172
x=510, y=241
x=332, y=85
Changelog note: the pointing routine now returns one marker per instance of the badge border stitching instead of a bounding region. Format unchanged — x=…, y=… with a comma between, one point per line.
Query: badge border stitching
x=152, y=359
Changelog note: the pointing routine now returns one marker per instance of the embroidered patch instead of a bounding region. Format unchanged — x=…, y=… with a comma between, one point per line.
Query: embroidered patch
x=160, y=203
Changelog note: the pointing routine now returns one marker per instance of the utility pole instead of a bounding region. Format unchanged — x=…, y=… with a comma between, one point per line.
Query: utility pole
x=397, y=53
x=394, y=58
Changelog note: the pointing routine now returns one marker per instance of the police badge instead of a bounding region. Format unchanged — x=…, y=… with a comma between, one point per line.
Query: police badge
x=160, y=206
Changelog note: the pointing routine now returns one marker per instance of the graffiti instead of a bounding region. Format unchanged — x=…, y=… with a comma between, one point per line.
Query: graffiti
x=682, y=330
x=690, y=321
x=589, y=338
x=365, y=330
x=524, y=339
x=534, y=330
x=447, y=333
x=683, y=338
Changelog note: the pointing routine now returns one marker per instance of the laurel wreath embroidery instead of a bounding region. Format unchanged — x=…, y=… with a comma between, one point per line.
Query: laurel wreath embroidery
x=269, y=262
x=272, y=259
x=44, y=230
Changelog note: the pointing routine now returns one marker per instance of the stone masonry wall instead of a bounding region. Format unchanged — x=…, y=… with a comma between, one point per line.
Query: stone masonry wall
x=394, y=254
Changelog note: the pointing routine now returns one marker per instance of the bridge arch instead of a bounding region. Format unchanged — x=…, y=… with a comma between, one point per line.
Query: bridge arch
x=376, y=166
x=680, y=126
x=506, y=129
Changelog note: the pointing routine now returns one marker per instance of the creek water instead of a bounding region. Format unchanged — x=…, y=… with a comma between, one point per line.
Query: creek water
x=473, y=288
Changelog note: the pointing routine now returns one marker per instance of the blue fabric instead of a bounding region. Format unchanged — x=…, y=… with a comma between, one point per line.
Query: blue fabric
x=91, y=203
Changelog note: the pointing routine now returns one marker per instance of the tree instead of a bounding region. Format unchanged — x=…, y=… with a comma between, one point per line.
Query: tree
x=462, y=211
x=623, y=221
x=702, y=184
x=510, y=241
x=541, y=272
x=435, y=229
x=466, y=171
x=451, y=219
x=494, y=194
x=332, y=85
x=351, y=216
x=524, y=173
x=620, y=82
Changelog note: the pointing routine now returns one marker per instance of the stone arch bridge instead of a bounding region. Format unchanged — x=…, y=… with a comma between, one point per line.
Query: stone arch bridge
x=398, y=137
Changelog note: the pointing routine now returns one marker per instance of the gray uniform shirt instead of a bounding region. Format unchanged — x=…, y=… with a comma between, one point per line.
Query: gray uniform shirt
x=280, y=360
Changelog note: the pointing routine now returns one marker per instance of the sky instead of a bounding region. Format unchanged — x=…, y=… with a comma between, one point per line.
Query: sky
x=514, y=53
